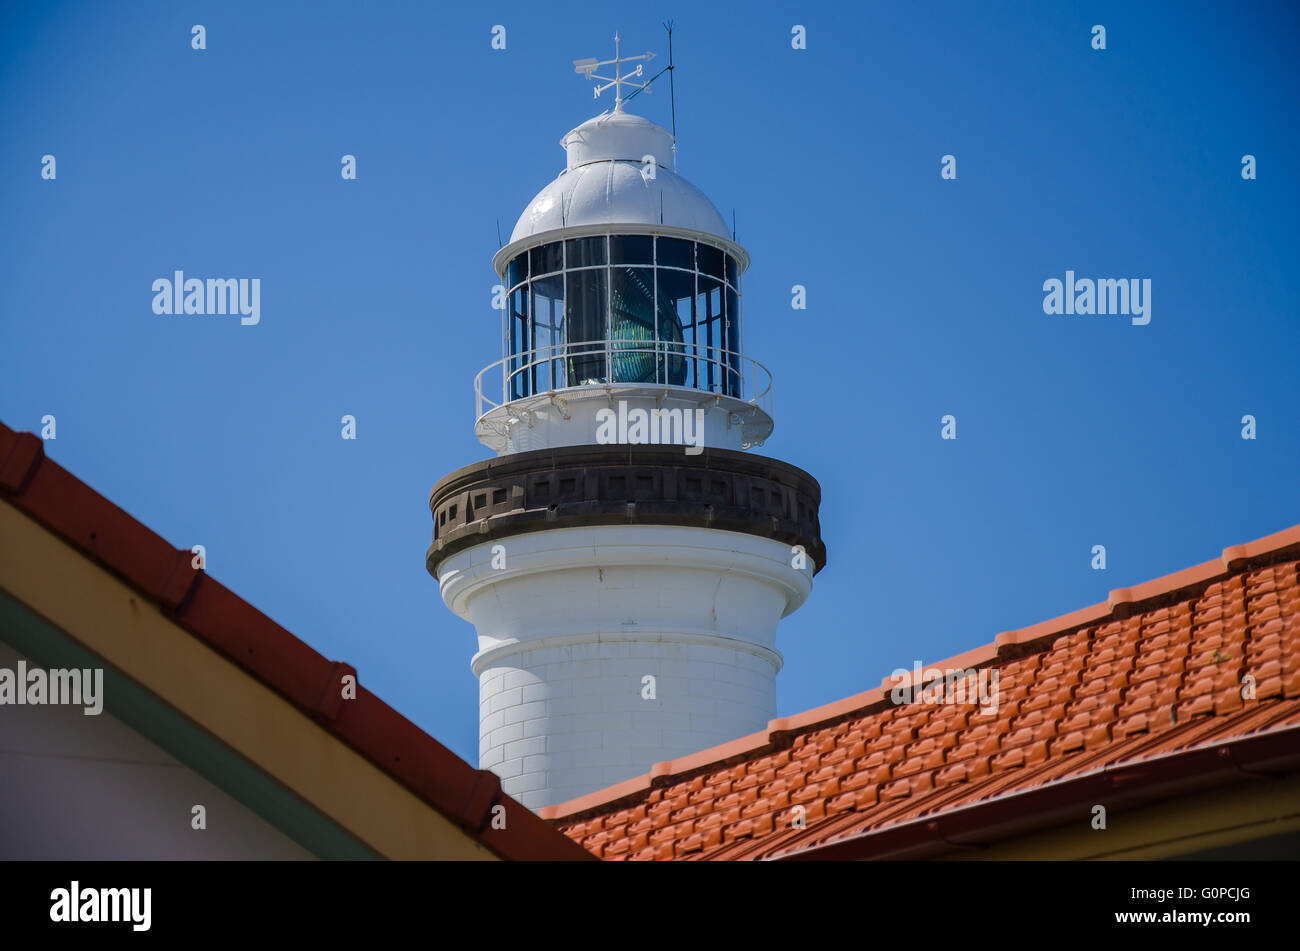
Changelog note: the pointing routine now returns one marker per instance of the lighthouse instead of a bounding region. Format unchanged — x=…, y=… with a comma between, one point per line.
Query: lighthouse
x=624, y=557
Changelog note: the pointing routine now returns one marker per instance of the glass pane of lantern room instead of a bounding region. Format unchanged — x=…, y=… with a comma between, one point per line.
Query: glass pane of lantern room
x=546, y=259
x=584, y=331
x=632, y=324
x=518, y=329
x=517, y=273
x=733, y=344
x=690, y=342
x=673, y=252
x=676, y=293
x=631, y=249
x=709, y=329
x=584, y=252
x=710, y=261
x=548, y=330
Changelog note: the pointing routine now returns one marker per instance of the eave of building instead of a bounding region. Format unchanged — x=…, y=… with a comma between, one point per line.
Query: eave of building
x=230, y=693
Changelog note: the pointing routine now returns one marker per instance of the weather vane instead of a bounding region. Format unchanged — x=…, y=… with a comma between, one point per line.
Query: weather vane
x=588, y=67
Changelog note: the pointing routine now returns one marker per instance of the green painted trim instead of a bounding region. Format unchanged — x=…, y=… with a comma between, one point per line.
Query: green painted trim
x=31, y=634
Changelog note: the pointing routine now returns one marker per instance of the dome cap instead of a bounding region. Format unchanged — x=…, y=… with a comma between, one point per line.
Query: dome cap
x=618, y=136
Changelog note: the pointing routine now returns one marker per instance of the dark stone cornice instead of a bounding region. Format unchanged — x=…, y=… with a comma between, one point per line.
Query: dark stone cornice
x=623, y=484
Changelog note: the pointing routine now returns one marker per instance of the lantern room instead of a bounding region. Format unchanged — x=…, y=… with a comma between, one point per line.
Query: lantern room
x=621, y=282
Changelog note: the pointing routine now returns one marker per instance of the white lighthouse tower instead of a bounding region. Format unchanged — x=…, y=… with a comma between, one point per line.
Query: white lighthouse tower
x=623, y=560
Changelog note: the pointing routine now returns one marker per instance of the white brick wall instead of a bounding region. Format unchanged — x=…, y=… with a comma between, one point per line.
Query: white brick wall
x=580, y=615
x=589, y=726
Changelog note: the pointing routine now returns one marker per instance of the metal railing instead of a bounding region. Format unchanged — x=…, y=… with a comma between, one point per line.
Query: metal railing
x=560, y=367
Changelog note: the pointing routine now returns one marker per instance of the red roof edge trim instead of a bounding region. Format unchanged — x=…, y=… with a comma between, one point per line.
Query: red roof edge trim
x=209, y=611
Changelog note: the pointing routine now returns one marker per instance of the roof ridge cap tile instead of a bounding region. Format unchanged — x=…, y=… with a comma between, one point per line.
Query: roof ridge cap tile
x=19, y=460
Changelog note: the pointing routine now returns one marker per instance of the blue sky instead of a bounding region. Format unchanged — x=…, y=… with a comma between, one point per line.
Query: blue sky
x=924, y=296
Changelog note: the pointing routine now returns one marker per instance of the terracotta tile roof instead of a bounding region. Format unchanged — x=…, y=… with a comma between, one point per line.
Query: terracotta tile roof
x=1135, y=699
x=216, y=616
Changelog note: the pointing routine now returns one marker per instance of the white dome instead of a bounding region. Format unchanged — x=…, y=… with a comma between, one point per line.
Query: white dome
x=608, y=181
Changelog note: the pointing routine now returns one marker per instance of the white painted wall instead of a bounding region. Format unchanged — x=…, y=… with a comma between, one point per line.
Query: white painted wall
x=77, y=787
x=576, y=620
